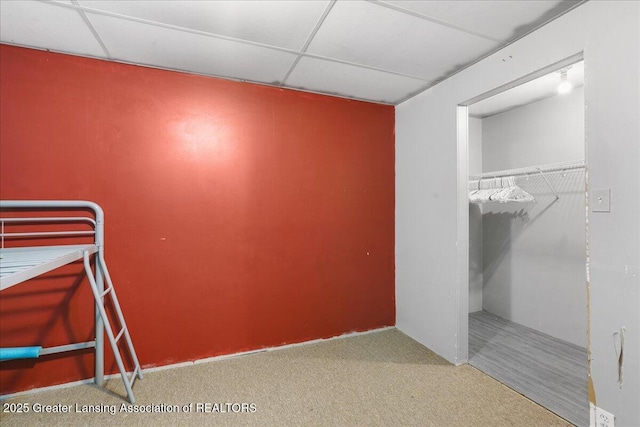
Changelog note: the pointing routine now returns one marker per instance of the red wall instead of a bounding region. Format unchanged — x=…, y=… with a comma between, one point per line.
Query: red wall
x=238, y=216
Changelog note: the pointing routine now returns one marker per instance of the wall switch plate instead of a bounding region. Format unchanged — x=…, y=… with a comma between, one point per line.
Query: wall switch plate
x=601, y=200
x=601, y=418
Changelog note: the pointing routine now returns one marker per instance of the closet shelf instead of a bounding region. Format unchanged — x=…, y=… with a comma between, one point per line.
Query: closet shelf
x=543, y=170
x=531, y=170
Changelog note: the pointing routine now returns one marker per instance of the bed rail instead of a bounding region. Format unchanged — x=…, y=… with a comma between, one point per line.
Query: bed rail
x=98, y=223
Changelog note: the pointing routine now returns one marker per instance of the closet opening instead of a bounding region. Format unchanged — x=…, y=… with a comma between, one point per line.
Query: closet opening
x=522, y=180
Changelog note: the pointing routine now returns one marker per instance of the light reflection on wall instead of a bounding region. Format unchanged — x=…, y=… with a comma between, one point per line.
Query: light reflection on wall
x=201, y=137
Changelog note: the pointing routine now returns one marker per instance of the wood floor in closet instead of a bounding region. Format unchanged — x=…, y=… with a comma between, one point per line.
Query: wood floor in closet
x=547, y=370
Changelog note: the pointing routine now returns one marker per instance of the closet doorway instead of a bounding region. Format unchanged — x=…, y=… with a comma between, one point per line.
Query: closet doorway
x=527, y=258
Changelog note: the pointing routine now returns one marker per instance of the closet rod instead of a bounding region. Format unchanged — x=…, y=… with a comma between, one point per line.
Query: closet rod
x=531, y=170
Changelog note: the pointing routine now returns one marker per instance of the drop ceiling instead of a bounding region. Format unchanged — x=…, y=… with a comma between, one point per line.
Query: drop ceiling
x=379, y=51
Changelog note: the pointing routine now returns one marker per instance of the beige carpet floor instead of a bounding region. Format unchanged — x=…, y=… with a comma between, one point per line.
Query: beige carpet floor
x=379, y=379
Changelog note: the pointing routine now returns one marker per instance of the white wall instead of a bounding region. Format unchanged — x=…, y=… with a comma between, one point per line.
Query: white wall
x=546, y=131
x=475, y=145
x=429, y=298
x=534, y=254
x=475, y=220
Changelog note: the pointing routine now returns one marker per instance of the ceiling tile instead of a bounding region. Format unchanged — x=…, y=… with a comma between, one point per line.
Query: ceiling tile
x=278, y=23
x=41, y=25
x=351, y=81
x=372, y=34
x=502, y=20
x=369, y=34
x=180, y=50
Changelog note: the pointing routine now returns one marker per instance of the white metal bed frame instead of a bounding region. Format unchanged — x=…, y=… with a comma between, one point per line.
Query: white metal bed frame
x=19, y=264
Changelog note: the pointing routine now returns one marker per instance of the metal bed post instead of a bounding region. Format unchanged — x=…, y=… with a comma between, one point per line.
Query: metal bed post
x=99, y=323
x=99, y=357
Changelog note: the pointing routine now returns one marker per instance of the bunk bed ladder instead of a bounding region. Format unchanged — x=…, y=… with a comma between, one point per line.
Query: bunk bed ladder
x=124, y=332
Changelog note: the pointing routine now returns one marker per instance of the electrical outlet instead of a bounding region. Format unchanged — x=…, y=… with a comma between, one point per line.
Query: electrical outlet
x=604, y=418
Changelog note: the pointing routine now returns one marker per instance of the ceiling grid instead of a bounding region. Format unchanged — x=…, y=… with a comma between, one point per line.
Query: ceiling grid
x=382, y=51
x=308, y=42
x=86, y=19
